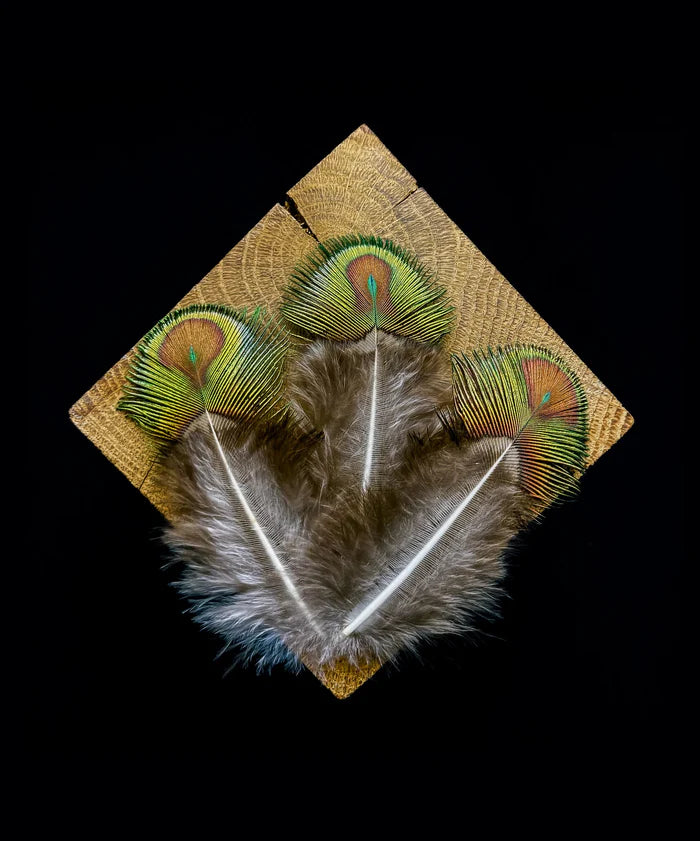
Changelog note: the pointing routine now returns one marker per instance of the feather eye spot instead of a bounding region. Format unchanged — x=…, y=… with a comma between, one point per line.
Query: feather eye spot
x=293, y=544
x=352, y=284
x=191, y=346
x=370, y=274
x=527, y=394
x=372, y=286
x=204, y=358
x=548, y=385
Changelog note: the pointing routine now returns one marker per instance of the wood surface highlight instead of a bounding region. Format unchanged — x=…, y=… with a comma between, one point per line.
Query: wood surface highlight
x=360, y=187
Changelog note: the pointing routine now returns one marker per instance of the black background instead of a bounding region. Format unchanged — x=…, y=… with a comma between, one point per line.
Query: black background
x=575, y=191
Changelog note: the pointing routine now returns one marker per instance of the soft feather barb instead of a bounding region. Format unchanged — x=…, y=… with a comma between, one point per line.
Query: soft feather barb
x=239, y=498
x=209, y=376
x=527, y=394
x=383, y=315
x=349, y=500
x=204, y=358
x=367, y=400
x=529, y=416
x=353, y=284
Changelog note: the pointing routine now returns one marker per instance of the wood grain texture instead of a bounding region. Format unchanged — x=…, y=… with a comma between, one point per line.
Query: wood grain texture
x=254, y=272
x=360, y=187
x=355, y=188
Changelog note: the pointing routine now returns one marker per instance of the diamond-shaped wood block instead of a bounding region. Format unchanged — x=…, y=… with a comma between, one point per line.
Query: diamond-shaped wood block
x=359, y=188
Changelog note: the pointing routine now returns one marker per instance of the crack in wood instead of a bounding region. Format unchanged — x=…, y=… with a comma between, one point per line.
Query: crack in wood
x=407, y=196
x=292, y=208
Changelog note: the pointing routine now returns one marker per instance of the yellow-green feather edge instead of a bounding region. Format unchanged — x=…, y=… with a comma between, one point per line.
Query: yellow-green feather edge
x=529, y=394
x=329, y=294
x=204, y=357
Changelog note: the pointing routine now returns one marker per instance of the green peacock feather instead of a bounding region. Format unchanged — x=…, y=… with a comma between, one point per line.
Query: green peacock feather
x=204, y=358
x=211, y=362
x=369, y=386
x=527, y=394
x=363, y=286
x=353, y=284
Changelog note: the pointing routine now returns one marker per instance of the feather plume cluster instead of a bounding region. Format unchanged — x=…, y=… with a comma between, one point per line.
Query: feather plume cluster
x=341, y=488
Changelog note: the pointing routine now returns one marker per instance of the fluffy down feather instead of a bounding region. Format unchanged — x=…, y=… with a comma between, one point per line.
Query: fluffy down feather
x=236, y=590
x=365, y=540
x=339, y=555
x=340, y=504
x=330, y=385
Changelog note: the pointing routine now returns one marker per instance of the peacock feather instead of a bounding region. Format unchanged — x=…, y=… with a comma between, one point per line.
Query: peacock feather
x=528, y=395
x=521, y=441
x=353, y=284
x=351, y=499
x=204, y=357
x=211, y=376
x=375, y=318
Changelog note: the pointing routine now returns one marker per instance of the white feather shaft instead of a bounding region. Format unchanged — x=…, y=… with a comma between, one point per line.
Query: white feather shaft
x=372, y=418
x=262, y=537
x=391, y=588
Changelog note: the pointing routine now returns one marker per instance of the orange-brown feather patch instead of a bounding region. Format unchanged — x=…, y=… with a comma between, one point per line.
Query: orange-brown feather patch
x=542, y=377
x=358, y=272
x=200, y=335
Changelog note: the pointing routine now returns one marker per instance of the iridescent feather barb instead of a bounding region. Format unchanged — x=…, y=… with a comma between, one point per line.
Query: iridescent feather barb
x=352, y=284
x=204, y=358
x=526, y=394
x=372, y=294
x=349, y=499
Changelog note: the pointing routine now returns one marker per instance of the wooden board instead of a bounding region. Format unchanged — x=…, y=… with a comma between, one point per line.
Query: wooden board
x=360, y=187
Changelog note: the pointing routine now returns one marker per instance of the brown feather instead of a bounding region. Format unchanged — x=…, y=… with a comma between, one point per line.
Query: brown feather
x=329, y=387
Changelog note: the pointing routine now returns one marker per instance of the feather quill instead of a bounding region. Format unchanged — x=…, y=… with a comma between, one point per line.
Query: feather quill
x=348, y=498
x=375, y=316
x=241, y=572
x=525, y=395
x=211, y=376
